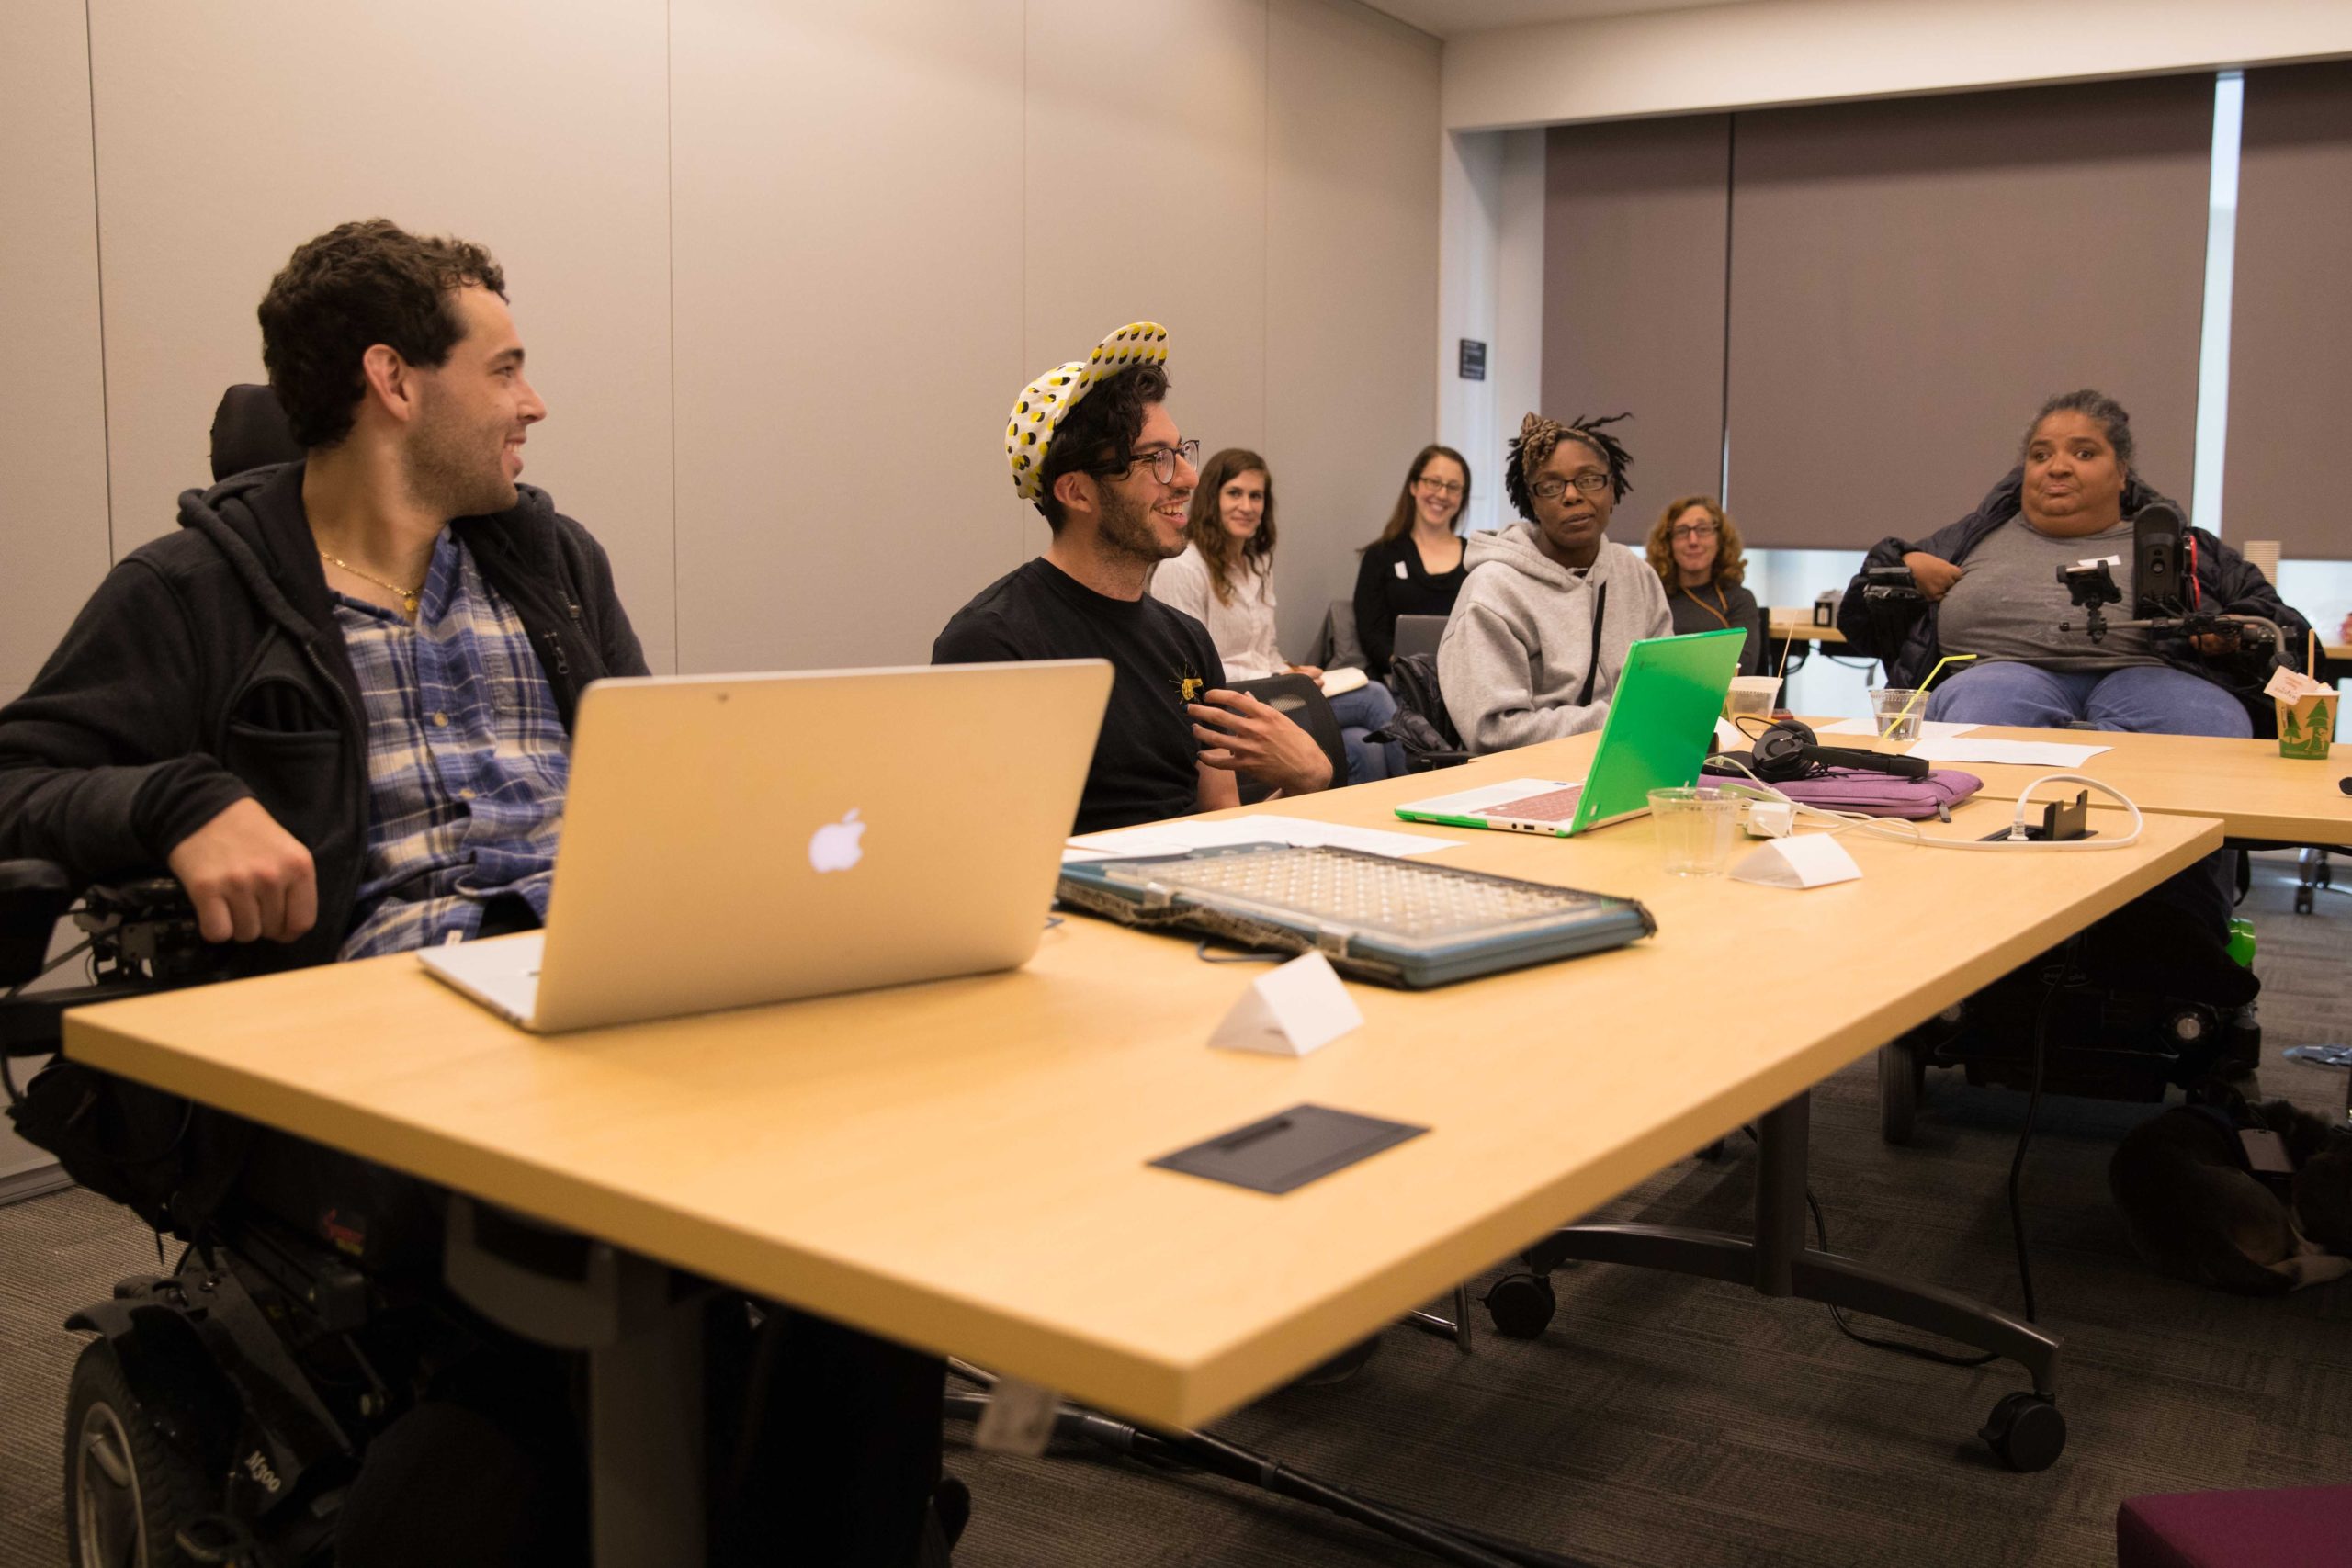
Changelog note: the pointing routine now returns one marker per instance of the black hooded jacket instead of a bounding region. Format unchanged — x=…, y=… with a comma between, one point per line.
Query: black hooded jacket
x=1903, y=637
x=209, y=668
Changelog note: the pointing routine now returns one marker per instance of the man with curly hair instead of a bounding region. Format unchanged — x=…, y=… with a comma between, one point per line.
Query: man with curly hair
x=1539, y=635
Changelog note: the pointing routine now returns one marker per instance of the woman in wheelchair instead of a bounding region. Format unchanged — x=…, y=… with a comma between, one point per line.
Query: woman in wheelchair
x=1989, y=586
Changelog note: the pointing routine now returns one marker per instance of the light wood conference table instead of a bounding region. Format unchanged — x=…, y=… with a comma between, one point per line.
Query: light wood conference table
x=961, y=1166
x=2245, y=785
x=1796, y=625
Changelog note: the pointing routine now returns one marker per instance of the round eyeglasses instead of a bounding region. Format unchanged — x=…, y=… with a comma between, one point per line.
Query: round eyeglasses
x=1162, y=460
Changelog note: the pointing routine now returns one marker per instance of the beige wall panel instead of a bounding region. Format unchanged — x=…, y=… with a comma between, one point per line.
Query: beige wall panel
x=848, y=244
x=1352, y=292
x=228, y=134
x=52, y=397
x=1146, y=200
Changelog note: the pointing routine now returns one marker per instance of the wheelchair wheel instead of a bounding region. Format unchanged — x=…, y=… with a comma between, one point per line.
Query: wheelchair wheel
x=126, y=1490
x=1902, y=1079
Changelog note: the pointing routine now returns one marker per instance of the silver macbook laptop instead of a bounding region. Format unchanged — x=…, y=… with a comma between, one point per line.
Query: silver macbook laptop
x=733, y=839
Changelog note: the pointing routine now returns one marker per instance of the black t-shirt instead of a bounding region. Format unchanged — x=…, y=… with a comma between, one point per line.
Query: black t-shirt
x=1391, y=582
x=1147, y=764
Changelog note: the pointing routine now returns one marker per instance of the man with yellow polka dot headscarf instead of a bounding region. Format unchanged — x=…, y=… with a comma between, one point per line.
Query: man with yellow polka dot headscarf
x=1091, y=445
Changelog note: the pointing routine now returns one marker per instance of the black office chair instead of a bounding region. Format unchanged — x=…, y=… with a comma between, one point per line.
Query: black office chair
x=1300, y=700
x=1335, y=645
x=250, y=431
x=1417, y=634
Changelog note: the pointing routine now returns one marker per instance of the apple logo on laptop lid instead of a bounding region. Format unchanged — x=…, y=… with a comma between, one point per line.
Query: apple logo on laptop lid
x=834, y=846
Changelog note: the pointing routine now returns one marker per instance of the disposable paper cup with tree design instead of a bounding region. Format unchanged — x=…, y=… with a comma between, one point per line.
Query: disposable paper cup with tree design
x=2307, y=726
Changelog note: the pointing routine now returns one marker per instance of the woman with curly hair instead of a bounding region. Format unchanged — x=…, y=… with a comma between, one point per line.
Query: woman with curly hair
x=1550, y=609
x=1695, y=549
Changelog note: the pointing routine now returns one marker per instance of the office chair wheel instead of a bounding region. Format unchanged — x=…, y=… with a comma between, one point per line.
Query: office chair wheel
x=128, y=1491
x=1902, y=1080
x=2027, y=1431
x=2303, y=898
x=1522, y=1305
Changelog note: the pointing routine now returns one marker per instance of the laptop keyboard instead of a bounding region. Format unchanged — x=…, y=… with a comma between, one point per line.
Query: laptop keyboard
x=1553, y=805
x=1373, y=893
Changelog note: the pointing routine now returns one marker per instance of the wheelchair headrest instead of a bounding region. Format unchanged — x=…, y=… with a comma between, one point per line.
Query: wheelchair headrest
x=250, y=431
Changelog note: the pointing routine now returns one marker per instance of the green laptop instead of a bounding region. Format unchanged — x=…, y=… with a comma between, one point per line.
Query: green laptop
x=1655, y=736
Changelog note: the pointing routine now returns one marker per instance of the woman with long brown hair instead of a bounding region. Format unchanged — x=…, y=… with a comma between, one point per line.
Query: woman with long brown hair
x=1414, y=566
x=1695, y=547
x=1225, y=580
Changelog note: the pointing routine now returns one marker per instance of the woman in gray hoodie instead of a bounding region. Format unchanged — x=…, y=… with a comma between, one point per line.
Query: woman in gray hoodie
x=1538, y=637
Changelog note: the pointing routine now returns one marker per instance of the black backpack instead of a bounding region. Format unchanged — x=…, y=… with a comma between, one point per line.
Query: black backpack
x=1422, y=726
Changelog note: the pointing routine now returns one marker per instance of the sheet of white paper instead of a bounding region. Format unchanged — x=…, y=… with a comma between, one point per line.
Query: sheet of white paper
x=1815, y=860
x=1929, y=729
x=1298, y=1007
x=2034, y=753
x=1259, y=827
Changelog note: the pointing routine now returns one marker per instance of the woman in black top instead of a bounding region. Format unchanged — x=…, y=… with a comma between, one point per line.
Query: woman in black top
x=1414, y=566
x=1695, y=547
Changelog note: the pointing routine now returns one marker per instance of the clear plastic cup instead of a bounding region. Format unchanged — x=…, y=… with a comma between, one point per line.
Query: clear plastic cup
x=1757, y=695
x=1896, y=712
x=1696, y=828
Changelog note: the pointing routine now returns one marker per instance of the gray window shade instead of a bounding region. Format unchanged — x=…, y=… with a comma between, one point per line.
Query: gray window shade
x=1910, y=280
x=2290, y=331
x=1633, y=230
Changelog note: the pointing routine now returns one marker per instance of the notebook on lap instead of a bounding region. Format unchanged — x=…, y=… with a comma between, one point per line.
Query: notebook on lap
x=1655, y=736
x=734, y=840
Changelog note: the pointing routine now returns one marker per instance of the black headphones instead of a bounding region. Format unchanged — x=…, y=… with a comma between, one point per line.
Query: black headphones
x=1790, y=750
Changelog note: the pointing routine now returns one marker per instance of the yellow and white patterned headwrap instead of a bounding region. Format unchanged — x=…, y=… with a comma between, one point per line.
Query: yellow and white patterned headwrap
x=1046, y=401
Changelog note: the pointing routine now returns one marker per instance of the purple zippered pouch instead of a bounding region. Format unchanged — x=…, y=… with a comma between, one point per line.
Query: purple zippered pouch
x=1884, y=794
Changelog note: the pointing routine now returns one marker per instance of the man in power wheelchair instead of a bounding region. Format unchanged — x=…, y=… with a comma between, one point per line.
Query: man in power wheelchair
x=335, y=705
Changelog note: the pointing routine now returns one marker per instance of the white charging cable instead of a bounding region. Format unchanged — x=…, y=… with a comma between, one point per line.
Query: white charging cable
x=1909, y=832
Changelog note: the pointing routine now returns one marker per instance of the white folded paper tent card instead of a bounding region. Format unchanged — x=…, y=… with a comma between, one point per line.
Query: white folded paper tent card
x=1815, y=860
x=1290, y=1011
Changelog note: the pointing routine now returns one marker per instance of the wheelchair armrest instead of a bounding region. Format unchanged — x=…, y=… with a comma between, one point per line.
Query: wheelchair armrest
x=34, y=895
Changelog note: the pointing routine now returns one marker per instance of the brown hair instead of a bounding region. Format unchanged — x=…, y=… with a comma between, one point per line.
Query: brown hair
x=1731, y=563
x=354, y=287
x=1204, y=524
x=1400, y=516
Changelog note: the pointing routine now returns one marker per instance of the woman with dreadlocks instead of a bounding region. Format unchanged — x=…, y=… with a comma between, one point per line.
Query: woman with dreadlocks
x=1540, y=633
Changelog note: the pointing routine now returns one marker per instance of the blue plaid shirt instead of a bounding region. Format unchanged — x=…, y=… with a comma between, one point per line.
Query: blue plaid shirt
x=466, y=760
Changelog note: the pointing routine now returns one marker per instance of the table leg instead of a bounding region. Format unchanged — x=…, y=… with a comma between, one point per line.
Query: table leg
x=1777, y=1262
x=640, y=1323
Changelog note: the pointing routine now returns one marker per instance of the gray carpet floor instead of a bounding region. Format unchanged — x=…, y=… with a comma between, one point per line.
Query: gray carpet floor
x=1660, y=1421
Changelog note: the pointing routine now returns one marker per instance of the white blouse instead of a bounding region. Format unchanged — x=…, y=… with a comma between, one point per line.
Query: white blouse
x=1242, y=627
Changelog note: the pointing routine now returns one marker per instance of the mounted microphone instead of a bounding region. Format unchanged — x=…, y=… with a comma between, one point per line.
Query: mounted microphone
x=2159, y=549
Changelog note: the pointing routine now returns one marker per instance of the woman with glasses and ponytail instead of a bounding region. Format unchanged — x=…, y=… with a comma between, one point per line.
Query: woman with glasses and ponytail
x=1550, y=609
x=1695, y=549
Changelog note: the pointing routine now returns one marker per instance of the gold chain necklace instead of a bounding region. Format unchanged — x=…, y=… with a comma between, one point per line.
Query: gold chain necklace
x=408, y=595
